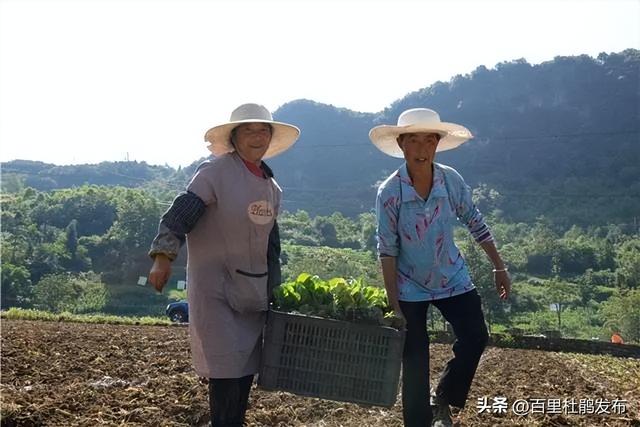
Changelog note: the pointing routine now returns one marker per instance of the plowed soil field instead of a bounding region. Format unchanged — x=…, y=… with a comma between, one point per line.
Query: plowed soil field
x=70, y=374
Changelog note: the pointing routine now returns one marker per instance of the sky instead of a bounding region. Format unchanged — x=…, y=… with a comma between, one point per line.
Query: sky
x=85, y=81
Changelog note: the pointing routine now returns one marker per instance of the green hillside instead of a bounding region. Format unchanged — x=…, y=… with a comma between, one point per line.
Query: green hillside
x=559, y=139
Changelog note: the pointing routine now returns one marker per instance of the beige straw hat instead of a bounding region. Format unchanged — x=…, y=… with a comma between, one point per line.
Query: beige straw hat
x=283, y=137
x=418, y=120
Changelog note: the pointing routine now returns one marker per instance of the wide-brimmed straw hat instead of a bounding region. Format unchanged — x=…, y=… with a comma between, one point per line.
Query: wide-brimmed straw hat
x=283, y=136
x=418, y=120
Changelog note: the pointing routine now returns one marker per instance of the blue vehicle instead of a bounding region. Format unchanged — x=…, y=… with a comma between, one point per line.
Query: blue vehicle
x=178, y=311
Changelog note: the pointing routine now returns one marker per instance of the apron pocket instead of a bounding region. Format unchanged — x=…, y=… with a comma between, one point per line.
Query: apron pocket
x=246, y=292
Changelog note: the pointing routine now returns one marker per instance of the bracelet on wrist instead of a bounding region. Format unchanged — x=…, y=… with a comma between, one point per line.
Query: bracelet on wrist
x=500, y=270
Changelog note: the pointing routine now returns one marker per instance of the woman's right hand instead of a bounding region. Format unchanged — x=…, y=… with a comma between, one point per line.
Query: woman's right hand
x=160, y=272
x=400, y=322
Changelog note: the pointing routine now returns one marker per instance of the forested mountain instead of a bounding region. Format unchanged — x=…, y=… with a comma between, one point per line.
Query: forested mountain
x=559, y=139
x=46, y=176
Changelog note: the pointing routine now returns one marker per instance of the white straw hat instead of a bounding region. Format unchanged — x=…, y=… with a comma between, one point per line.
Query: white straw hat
x=283, y=137
x=418, y=120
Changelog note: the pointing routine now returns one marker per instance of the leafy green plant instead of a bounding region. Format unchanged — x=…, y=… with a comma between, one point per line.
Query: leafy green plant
x=338, y=298
x=30, y=314
x=504, y=340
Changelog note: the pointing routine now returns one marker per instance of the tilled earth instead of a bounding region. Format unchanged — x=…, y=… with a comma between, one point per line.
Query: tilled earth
x=69, y=374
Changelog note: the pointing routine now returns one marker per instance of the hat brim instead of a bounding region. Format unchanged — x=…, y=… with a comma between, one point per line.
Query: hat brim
x=283, y=137
x=385, y=136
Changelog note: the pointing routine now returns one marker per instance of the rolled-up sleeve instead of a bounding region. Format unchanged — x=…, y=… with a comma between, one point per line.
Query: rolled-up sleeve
x=176, y=223
x=467, y=212
x=166, y=243
x=184, y=212
x=387, y=224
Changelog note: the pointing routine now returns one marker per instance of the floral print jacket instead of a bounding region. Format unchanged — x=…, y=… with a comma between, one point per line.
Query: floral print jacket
x=419, y=233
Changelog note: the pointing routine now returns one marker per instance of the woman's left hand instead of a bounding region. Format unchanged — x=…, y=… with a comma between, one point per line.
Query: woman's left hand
x=503, y=283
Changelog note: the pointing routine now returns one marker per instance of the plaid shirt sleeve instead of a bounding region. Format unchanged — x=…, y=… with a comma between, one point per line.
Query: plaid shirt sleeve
x=177, y=221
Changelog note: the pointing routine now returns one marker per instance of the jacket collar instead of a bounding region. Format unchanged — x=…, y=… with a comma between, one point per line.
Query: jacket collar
x=408, y=193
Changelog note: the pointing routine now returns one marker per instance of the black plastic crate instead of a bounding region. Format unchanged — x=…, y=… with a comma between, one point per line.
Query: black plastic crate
x=331, y=359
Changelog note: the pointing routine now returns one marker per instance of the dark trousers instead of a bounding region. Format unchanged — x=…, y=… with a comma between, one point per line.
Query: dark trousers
x=464, y=313
x=228, y=399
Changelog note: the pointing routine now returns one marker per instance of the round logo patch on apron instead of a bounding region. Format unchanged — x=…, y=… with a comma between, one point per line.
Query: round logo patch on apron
x=260, y=212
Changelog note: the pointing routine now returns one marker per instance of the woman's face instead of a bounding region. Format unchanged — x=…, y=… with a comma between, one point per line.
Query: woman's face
x=419, y=148
x=252, y=140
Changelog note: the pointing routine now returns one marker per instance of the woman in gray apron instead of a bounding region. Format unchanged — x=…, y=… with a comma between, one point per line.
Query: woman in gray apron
x=227, y=215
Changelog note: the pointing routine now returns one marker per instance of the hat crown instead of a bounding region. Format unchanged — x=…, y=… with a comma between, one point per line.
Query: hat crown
x=418, y=116
x=247, y=112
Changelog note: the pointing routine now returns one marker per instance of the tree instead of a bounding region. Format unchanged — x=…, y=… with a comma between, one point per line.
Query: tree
x=92, y=295
x=481, y=272
x=48, y=258
x=330, y=262
x=92, y=207
x=78, y=293
x=12, y=183
x=576, y=252
x=297, y=228
x=590, y=284
x=368, y=226
x=628, y=263
x=347, y=231
x=125, y=245
x=72, y=237
x=78, y=255
x=543, y=247
x=487, y=200
x=55, y=292
x=622, y=314
x=16, y=286
x=327, y=231
x=559, y=295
